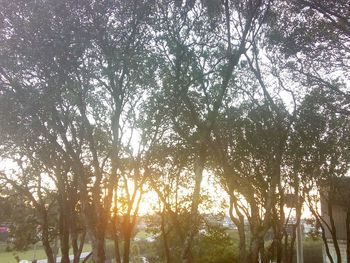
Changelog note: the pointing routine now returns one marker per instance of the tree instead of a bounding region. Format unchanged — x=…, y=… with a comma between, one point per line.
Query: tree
x=322, y=159
x=197, y=70
x=101, y=101
x=312, y=40
x=250, y=149
x=67, y=85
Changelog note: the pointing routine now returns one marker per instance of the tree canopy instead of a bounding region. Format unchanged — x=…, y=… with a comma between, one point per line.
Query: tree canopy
x=106, y=103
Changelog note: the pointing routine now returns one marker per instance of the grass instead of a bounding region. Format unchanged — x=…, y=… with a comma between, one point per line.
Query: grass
x=9, y=257
x=312, y=250
x=13, y=256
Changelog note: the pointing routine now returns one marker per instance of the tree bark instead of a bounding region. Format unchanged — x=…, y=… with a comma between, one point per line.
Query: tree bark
x=333, y=230
x=64, y=238
x=242, y=244
x=239, y=222
x=77, y=248
x=127, y=239
x=98, y=248
x=116, y=238
x=324, y=239
x=348, y=235
x=46, y=240
x=64, y=217
x=165, y=240
x=256, y=247
x=193, y=223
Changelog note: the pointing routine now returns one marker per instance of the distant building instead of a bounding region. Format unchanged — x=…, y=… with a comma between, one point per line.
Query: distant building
x=4, y=232
x=340, y=208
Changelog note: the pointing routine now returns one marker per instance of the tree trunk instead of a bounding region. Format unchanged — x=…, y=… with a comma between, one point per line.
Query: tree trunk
x=285, y=247
x=281, y=257
x=324, y=239
x=239, y=223
x=279, y=246
x=242, y=244
x=126, y=256
x=77, y=248
x=193, y=224
x=127, y=238
x=348, y=236
x=333, y=231
x=98, y=248
x=290, y=253
x=116, y=239
x=47, y=247
x=165, y=240
x=256, y=246
x=77, y=243
x=64, y=238
x=45, y=235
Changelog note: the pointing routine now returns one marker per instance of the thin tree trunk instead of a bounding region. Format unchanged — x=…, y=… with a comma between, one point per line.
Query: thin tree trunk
x=285, y=246
x=290, y=255
x=45, y=236
x=63, y=221
x=115, y=165
x=281, y=257
x=239, y=222
x=193, y=224
x=64, y=238
x=279, y=246
x=324, y=239
x=292, y=243
x=127, y=238
x=165, y=240
x=115, y=222
x=333, y=231
x=47, y=247
x=116, y=239
x=77, y=243
x=348, y=236
x=77, y=248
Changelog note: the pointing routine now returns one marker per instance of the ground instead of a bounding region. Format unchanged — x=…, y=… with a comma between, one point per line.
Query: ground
x=312, y=251
x=13, y=256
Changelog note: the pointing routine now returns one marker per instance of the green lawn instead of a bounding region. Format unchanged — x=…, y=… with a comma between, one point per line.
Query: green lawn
x=10, y=257
x=312, y=250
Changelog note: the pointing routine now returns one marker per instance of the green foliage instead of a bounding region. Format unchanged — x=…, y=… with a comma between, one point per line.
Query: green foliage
x=103, y=100
x=215, y=246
